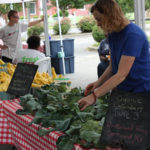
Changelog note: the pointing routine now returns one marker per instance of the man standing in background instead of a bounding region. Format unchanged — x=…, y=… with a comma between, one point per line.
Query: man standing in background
x=11, y=35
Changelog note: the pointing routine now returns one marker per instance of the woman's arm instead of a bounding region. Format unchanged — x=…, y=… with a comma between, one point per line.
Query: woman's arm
x=125, y=65
x=105, y=76
x=110, y=83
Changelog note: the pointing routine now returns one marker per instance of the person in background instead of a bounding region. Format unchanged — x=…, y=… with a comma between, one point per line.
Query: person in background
x=32, y=54
x=11, y=35
x=129, y=67
x=104, y=54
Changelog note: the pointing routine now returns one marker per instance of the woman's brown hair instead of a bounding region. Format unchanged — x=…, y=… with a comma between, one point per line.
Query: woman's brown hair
x=113, y=17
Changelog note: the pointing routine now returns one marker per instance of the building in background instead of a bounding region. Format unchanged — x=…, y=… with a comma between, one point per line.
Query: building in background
x=35, y=10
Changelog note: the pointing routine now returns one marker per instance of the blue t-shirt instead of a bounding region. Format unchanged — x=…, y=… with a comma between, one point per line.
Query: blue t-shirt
x=132, y=41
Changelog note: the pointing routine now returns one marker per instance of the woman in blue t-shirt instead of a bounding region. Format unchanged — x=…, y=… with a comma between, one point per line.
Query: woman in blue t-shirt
x=129, y=68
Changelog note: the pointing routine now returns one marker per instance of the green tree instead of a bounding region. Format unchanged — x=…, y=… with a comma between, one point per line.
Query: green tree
x=128, y=5
x=147, y=2
x=66, y=4
x=5, y=8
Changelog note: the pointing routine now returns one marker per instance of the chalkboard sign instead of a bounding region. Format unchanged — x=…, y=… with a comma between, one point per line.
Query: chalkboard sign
x=127, y=123
x=22, y=79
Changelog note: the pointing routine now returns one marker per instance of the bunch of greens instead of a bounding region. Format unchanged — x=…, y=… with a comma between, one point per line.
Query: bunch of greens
x=55, y=106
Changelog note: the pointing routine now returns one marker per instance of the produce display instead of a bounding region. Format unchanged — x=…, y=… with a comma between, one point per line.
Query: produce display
x=6, y=73
x=7, y=70
x=55, y=108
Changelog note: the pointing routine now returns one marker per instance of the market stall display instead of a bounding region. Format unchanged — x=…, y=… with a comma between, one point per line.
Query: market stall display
x=7, y=70
x=50, y=115
x=56, y=106
x=21, y=135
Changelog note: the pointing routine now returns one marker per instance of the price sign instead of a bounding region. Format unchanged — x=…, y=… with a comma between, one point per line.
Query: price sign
x=127, y=123
x=22, y=79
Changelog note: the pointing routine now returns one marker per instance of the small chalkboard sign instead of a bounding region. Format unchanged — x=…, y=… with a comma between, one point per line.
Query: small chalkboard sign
x=127, y=122
x=22, y=79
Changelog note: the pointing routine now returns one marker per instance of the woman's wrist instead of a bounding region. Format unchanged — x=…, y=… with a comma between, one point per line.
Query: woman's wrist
x=94, y=96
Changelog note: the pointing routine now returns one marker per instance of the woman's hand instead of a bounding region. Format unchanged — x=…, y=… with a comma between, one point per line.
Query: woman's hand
x=86, y=101
x=91, y=88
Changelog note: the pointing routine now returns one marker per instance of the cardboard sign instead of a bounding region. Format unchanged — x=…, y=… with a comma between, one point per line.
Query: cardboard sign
x=127, y=123
x=22, y=79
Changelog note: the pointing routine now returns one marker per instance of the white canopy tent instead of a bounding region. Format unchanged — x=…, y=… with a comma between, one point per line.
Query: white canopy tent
x=13, y=1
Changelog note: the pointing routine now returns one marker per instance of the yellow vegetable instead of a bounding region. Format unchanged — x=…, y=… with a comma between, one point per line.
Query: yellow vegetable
x=1, y=62
x=54, y=75
x=60, y=76
x=36, y=85
x=4, y=81
x=11, y=68
x=42, y=79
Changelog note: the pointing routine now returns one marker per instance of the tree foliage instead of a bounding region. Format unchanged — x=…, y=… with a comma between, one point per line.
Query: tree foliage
x=128, y=5
x=147, y=4
x=66, y=4
x=5, y=8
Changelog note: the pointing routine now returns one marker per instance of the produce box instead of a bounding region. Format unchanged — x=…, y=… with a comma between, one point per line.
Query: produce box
x=63, y=81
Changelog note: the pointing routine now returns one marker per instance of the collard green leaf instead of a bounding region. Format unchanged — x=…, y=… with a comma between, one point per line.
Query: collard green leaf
x=73, y=130
x=84, y=116
x=39, y=116
x=22, y=112
x=33, y=105
x=42, y=132
x=64, y=143
x=51, y=108
x=90, y=137
x=63, y=125
x=102, y=121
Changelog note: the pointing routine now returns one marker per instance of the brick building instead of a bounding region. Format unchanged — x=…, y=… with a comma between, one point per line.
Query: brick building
x=36, y=10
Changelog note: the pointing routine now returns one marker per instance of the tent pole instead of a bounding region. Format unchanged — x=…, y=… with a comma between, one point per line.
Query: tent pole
x=11, y=6
x=60, y=35
x=23, y=10
x=139, y=13
x=47, y=44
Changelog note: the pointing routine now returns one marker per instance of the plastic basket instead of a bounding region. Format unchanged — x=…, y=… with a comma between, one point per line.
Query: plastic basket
x=57, y=63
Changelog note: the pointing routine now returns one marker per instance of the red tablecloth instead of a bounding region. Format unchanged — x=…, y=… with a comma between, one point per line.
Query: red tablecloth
x=5, y=132
x=14, y=129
